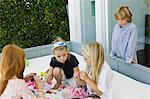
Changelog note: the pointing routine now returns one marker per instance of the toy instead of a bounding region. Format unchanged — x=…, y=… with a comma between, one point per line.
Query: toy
x=26, y=63
x=42, y=73
x=32, y=86
x=74, y=92
x=77, y=74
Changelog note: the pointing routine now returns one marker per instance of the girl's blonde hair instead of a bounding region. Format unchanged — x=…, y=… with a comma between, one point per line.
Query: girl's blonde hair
x=95, y=51
x=12, y=64
x=124, y=13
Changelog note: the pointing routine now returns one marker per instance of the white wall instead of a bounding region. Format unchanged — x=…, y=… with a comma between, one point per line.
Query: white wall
x=81, y=21
x=101, y=7
x=75, y=20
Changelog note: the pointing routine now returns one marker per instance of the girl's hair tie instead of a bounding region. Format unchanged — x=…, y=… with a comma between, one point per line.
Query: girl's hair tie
x=58, y=44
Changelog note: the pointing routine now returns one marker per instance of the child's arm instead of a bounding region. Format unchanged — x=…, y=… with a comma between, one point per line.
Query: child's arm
x=49, y=75
x=90, y=82
x=114, y=36
x=29, y=76
x=26, y=93
x=131, y=48
x=79, y=81
x=76, y=69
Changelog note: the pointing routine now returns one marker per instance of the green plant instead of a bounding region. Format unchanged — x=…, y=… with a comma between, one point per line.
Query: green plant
x=30, y=23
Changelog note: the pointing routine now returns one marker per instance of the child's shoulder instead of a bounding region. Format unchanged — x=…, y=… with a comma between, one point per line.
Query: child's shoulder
x=117, y=25
x=106, y=66
x=106, y=69
x=53, y=59
x=72, y=56
x=132, y=25
x=18, y=82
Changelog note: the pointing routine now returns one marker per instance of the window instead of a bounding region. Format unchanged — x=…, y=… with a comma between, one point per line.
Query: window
x=93, y=8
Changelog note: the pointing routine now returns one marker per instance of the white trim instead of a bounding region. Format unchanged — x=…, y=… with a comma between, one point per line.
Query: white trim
x=107, y=29
x=75, y=20
x=101, y=17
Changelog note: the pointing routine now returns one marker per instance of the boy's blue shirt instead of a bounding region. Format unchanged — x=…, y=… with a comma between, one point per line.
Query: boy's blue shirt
x=124, y=42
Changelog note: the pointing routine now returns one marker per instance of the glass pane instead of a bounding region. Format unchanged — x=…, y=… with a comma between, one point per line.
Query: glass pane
x=140, y=10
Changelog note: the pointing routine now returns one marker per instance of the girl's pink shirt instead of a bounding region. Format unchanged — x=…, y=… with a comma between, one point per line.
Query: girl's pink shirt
x=17, y=89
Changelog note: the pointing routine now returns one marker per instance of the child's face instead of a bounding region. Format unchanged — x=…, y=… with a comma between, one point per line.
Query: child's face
x=61, y=55
x=87, y=60
x=122, y=22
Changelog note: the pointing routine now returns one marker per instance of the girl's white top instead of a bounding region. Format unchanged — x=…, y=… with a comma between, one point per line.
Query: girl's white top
x=105, y=81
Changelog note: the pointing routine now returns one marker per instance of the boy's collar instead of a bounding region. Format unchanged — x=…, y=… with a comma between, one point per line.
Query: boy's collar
x=126, y=25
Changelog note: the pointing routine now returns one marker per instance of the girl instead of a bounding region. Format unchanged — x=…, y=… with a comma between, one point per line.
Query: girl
x=124, y=36
x=12, y=85
x=62, y=65
x=99, y=75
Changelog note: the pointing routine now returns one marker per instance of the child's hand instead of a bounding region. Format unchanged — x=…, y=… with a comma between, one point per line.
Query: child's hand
x=134, y=61
x=77, y=74
x=48, y=78
x=38, y=82
x=29, y=76
x=83, y=75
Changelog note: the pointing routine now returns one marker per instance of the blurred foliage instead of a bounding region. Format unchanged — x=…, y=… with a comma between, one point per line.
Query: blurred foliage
x=29, y=23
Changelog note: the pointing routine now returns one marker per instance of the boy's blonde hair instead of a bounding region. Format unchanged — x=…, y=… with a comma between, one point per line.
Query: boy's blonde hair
x=12, y=64
x=61, y=47
x=95, y=51
x=124, y=13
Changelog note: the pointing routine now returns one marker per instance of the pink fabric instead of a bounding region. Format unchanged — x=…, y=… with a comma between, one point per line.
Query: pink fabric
x=16, y=89
x=32, y=86
x=74, y=92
